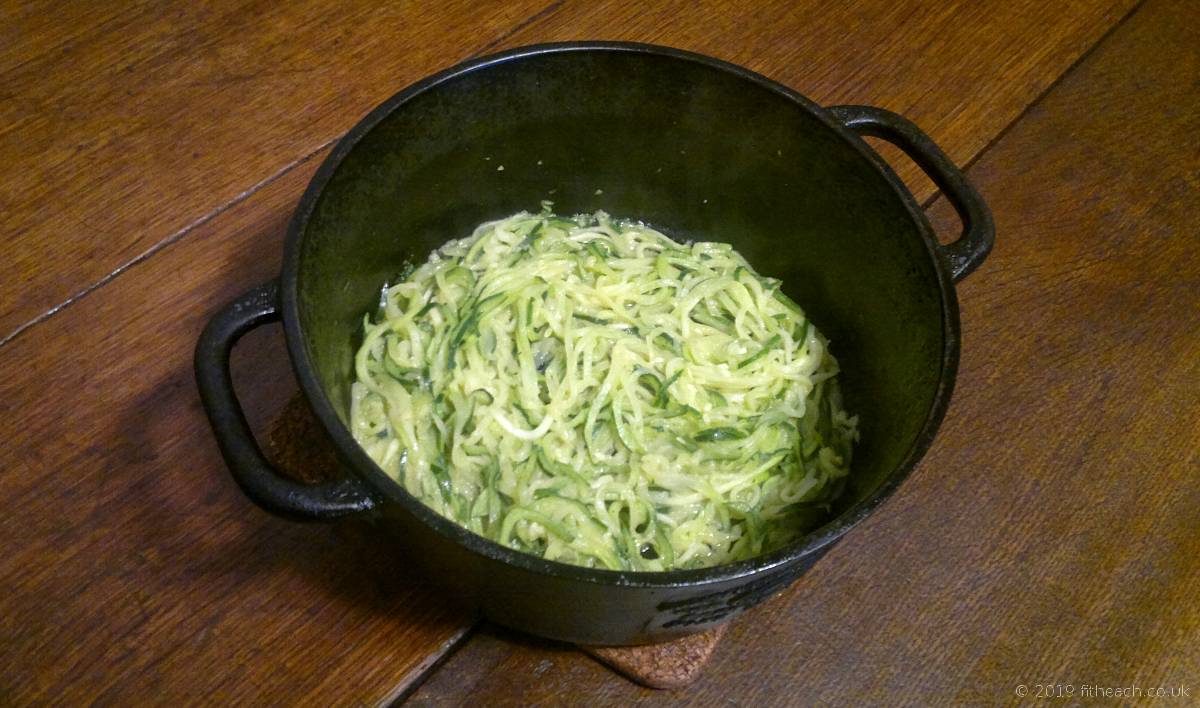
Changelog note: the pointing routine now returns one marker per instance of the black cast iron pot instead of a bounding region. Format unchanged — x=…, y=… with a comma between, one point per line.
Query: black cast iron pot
x=696, y=147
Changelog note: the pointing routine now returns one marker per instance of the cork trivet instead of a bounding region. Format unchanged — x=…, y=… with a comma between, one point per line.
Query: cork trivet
x=302, y=450
x=298, y=445
x=672, y=664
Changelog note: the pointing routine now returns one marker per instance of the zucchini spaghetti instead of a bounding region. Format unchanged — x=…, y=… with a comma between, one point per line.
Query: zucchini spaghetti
x=593, y=392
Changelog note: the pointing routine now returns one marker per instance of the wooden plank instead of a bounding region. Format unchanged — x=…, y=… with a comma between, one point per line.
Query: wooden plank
x=134, y=569
x=120, y=135
x=961, y=70
x=1052, y=535
x=159, y=580
x=122, y=123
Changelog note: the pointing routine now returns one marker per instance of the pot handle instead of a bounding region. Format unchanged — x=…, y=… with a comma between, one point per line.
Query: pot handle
x=965, y=254
x=251, y=470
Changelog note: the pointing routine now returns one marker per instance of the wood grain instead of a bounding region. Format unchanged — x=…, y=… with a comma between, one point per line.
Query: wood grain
x=122, y=124
x=1052, y=535
x=961, y=70
x=135, y=571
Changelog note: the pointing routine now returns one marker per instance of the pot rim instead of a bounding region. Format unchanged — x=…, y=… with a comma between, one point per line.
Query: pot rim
x=354, y=457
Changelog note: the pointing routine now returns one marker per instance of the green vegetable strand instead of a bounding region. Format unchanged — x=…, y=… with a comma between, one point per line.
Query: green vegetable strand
x=590, y=391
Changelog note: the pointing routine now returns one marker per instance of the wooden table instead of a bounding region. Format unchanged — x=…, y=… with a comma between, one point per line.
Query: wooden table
x=153, y=152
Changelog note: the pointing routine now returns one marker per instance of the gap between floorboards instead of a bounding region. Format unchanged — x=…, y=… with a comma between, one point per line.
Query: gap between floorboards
x=532, y=19
x=243, y=196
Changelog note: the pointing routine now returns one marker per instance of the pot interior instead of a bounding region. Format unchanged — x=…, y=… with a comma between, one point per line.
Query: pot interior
x=693, y=149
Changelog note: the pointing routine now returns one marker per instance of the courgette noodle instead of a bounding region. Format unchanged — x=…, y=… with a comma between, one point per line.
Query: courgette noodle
x=593, y=392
